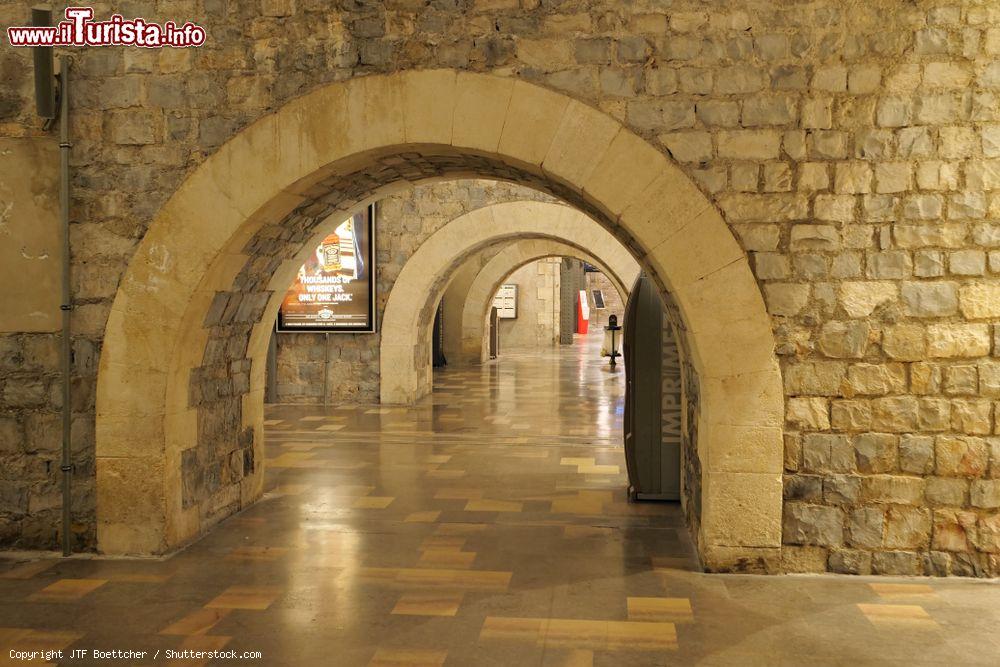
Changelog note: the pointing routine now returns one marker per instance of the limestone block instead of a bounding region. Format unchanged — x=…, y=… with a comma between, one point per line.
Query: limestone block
x=786, y=298
x=916, y=454
x=928, y=263
x=835, y=208
x=533, y=116
x=961, y=380
x=815, y=237
x=429, y=99
x=580, y=142
x=930, y=299
x=889, y=264
x=907, y=528
x=827, y=453
x=989, y=379
x=688, y=146
x=985, y=493
x=480, y=109
x=894, y=111
x=860, y=299
x=905, y=342
x=749, y=144
x=841, y=489
x=626, y=170
x=971, y=416
x=893, y=489
x=866, y=527
x=876, y=452
x=718, y=113
x=947, y=235
x=953, y=530
x=774, y=110
x=852, y=177
x=891, y=177
x=769, y=265
x=980, y=300
x=807, y=413
x=875, y=379
x=968, y=263
x=934, y=414
x=817, y=113
x=958, y=340
x=742, y=509
x=960, y=456
x=813, y=525
x=816, y=176
x=739, y=79
x=823, y=378
x=946, y=491
x=896, y=414
x=753, y=449
x=131, y=510
x=988, y=533
x=850, y=415
x=801, y=560
x=844, y=340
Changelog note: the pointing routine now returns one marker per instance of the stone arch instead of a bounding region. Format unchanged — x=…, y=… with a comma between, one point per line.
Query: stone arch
x=622, y=271
x=404, y=350
x=181, y=377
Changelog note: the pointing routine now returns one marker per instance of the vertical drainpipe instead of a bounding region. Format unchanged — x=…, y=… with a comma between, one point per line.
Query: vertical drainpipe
x=66, y=307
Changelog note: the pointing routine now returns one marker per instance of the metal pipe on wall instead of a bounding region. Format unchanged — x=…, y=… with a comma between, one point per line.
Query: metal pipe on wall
x=66, y=307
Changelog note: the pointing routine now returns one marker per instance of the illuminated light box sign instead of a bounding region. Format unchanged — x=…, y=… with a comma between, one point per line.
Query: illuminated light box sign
x=335, y=288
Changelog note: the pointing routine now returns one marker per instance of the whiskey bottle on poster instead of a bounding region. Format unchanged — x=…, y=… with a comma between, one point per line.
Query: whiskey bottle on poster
x=347, y=258
x=330, y=252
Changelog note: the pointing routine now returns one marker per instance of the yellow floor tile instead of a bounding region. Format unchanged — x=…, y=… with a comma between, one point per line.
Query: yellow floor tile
x=198, y=622
x=424, y=603
x=891, y=590
x=245, y=597
x=67, y=590
x=28, y=570
x=583, y=634
x=675, y=610
x=395, y=657
x=447, y=558
x=414, y=577
x=897, y=615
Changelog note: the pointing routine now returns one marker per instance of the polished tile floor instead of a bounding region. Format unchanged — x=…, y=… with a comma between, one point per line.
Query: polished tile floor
x=486, y=526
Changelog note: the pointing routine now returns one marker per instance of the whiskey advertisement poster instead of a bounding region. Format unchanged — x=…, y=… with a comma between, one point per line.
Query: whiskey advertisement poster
x=335, y=287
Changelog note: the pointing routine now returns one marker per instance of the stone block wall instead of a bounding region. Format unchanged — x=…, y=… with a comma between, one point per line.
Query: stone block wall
x=537, y=323
x=852, y=148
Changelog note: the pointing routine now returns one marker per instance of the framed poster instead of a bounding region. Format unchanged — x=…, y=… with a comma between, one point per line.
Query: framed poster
x=505, y=301
x=335, y=287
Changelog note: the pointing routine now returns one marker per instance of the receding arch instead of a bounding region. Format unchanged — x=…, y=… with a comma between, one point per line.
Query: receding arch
x=622, y=270
x=404, y=350
x=181, y=378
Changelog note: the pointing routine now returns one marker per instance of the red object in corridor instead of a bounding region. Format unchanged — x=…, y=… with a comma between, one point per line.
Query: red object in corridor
x=582, y=313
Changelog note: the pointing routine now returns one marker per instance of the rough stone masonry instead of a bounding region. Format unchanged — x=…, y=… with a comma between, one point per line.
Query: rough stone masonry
x=853, y=147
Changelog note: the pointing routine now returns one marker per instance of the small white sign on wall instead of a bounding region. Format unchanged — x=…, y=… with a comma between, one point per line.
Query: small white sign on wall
x=505, y=301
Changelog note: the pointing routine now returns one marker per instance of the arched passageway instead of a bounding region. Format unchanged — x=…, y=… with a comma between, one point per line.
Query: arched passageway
x=180, y=385
x=405, y=345
x=469, y=296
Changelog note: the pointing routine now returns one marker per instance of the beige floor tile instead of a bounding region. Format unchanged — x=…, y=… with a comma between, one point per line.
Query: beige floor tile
x=396, y=657
x=245, y=597
x=67, y=590
x=674, y=610
x=428, y=603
